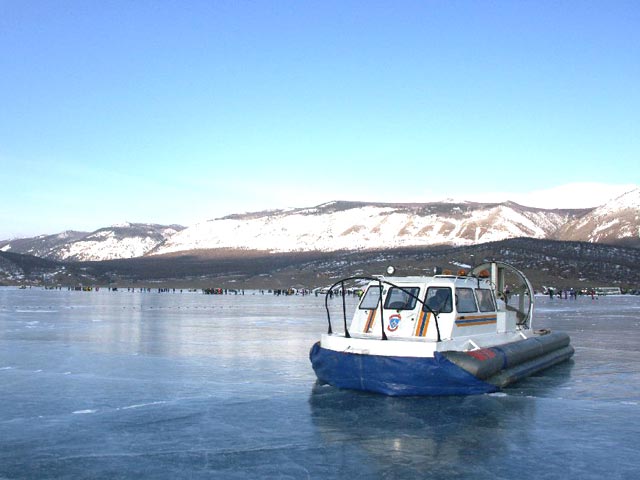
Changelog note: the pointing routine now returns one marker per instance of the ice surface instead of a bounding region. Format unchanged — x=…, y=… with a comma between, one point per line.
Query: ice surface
x=184, y=385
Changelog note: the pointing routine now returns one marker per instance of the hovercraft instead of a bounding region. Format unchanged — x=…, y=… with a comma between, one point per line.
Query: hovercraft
x=437, y=335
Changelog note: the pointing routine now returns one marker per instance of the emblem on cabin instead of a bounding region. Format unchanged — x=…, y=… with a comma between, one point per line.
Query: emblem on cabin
x=394, y=322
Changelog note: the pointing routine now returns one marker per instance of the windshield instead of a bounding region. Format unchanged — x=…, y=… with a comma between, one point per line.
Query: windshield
x=371, y=298
x=439, y=299
x=401, y=299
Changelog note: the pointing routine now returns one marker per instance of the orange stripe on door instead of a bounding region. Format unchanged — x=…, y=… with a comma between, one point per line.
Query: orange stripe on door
x=370, y=319
x=423, y=324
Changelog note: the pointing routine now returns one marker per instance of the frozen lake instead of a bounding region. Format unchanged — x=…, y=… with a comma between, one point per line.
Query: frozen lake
x=185, y=385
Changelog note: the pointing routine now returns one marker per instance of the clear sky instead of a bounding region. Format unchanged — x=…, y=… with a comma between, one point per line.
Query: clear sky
x=181, y=111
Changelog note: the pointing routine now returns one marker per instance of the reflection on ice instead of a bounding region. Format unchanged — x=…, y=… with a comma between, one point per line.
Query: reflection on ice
x=403, y=438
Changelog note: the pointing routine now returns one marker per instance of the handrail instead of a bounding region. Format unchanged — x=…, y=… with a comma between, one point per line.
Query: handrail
x=380, y=302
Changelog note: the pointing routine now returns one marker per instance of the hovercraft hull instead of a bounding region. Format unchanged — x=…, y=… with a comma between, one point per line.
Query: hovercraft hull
x=446, y=373
x=394, y=376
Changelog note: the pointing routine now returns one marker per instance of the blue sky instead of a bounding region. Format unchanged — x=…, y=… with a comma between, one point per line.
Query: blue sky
x=182, y=111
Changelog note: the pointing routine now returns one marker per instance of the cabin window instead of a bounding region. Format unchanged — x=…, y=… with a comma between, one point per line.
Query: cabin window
x=485, y=300
x=439, y=299
x=402, y=299
x=465, y=300
x=371, y=298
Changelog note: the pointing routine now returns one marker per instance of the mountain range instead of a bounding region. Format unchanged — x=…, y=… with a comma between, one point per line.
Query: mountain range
x=347, y=226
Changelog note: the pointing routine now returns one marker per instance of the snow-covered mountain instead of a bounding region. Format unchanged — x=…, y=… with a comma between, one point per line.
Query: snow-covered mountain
x=617, y=221
x=43, y=246
x=127, y=240
x=358, y=226
x=350, y=226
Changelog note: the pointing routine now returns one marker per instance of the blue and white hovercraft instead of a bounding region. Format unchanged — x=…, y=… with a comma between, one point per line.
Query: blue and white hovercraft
x=437, y=335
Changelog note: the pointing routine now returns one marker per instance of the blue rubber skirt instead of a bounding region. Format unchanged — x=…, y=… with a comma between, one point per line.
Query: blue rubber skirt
x=395, y=375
